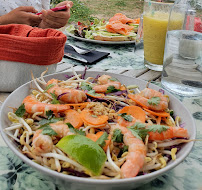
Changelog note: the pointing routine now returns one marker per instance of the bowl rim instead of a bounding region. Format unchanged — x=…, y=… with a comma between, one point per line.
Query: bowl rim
x=83, y=180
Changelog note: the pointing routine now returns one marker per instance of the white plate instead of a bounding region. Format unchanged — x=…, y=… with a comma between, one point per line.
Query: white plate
x=99, y=41
x=79, y=183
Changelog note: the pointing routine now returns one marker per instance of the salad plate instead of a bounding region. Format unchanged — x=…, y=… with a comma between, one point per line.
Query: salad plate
x=90, y=183
x=99, y=41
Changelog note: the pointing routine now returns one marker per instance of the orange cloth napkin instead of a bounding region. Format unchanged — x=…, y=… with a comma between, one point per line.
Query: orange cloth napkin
x=23, y=43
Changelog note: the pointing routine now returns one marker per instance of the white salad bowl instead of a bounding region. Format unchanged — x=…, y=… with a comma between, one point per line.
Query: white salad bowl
x=80, y=183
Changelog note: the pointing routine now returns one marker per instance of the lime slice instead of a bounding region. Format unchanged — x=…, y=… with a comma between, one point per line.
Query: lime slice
x=85, y=151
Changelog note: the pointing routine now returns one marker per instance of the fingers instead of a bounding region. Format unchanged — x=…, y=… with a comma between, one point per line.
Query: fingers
x=27, y=9
x=69, y=4
x=55, y=19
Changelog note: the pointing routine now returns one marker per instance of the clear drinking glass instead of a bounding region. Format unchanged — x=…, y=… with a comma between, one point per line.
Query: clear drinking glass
x=155, y=21
x=182, y=67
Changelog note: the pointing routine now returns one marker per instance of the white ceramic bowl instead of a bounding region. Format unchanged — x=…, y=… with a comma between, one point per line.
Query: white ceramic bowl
x=77, y=183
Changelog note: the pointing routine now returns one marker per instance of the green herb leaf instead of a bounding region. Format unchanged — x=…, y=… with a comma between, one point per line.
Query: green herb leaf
x=54, y=101
x=74, y=130
x=158, y=128
x=45, y=122
x=117, y=136
x=125, y=149
x=86, y=86
x=139, y=130
x=20, y=111
x=126, y=117
x=48, y=87
x=113, y=79
x=112, y=89
x=48, y=131
x=49, y=114
x=95, y=116
x=154, y=101
x=93, y=93
x=101, y=141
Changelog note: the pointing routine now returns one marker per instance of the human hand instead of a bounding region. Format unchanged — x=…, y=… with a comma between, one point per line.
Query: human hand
x=51, y=19
x=21, y=15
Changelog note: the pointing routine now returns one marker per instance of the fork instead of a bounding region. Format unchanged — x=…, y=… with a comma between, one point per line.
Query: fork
x=79, y=50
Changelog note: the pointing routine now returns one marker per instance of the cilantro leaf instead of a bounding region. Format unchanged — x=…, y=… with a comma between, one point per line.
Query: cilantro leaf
x=126, y=117
x=154, y=101
x=112, y=89
x=54, y=101
x=125, y=149
x=101, y=141
x=48, y=87
x=48, y=131
x=45, y=122
x=158, y=128
x=49, y=114
x=20, y=111
x=113, y=79
x=74, y=130
x=117, y=136
x=93, y=93
x=86, y=86
x=139, y=130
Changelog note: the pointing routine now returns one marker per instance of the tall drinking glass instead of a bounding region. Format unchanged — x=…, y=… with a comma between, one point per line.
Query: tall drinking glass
x=182, y=67
x=155, y=21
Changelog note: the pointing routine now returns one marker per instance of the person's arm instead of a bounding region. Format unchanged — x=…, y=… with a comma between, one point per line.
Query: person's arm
x=58, y=19
x=21, y=15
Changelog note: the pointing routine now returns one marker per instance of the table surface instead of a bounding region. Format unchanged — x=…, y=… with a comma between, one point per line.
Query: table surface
x=125, y=60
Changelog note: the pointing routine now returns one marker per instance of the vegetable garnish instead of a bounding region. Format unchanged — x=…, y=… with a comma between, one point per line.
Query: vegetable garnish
x=55, y=99
x=48, y=131
x=20, y=111
x=117, y=136
x=154, y=101
x=48, y=87
x=101, y=141
x=140, y=130
x=111, y=89
x=126, y=117
x=74, y=130
x=86, y=86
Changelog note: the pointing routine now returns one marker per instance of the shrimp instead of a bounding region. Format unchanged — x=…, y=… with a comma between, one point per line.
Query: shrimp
x=136, y=153
x=32, y=105
x=172, y=132
x=104, y=82
x=144, y=99
x=41, y=143
x=67, y=95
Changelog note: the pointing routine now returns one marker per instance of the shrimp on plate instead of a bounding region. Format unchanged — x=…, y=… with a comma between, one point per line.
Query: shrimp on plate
x=104, y=82
x=150, y=99
x=32, y=105
x=68, y=95
x=136, y=153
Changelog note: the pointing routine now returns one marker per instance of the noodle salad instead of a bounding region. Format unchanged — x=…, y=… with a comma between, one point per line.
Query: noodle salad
x=96, y=127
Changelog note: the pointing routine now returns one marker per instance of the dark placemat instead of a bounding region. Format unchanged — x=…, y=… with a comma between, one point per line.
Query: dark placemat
x=91, y=57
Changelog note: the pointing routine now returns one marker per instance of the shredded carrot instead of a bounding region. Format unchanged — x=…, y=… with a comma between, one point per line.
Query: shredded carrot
x=95, y=137
x=89, y=118
x=160, y=114
x=137, y=21
x=158, y=121
x=101, y=95
x=73, y=117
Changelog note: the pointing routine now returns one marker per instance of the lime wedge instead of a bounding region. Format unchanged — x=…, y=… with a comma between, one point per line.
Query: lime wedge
x=85, y=151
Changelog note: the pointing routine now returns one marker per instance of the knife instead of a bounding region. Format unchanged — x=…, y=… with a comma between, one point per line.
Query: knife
x=75, y=57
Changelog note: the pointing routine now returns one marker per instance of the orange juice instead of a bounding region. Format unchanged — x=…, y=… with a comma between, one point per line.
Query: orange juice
x=155, y=28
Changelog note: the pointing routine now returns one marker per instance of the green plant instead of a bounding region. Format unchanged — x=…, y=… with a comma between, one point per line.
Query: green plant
x=79, y=12
x=120, y=3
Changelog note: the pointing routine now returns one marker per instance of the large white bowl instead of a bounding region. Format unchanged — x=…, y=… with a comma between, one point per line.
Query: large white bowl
x=77, y=183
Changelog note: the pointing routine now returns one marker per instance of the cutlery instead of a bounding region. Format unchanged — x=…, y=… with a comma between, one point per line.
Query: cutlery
x=79, y=50
x=75, y=57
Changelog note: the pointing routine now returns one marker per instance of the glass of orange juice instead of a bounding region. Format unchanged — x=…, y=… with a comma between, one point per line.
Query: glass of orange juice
x=155, y=21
